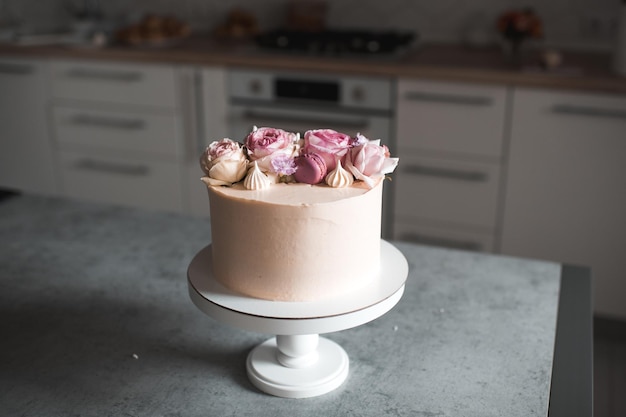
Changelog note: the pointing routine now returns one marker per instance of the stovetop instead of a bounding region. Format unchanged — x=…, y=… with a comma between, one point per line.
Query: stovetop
x=337, y=42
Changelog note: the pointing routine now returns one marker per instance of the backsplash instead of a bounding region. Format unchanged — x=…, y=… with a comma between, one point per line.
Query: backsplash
x=581, y=24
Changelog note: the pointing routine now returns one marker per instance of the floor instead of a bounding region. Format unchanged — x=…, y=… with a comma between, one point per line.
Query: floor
x=609, y=368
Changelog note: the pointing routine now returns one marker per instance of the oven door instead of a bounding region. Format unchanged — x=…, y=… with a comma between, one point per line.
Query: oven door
x=242, y=117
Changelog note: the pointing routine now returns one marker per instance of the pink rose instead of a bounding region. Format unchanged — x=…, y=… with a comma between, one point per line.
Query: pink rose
x=266, y=143
x=368, y=160
x=327, y=143
x=224, y=163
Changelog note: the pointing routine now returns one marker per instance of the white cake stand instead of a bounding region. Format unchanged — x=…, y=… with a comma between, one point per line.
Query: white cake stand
x=297, y=363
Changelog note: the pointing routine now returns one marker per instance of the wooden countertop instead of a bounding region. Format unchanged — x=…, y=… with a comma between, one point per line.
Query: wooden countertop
x=580, y=71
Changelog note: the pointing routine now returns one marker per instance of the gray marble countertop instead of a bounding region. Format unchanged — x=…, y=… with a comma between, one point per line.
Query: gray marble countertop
x=97, y=321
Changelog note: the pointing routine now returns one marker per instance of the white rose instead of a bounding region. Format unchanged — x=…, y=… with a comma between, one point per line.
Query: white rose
x=224, y=163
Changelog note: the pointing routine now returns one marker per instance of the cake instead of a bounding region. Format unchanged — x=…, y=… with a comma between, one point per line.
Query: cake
x=292, y=219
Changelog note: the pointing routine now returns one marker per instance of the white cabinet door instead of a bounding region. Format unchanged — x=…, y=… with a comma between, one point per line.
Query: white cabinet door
x=126, y=130
x=460, y=119
x=566, y=188
x=106, y=82
x=117, y=179
x=26, y=159
x=448, y=191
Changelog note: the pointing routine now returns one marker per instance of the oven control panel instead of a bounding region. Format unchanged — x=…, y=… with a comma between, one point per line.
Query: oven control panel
x=343, y=92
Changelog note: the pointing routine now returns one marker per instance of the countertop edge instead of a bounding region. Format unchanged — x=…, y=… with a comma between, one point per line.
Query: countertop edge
x=571, y=391
x=402, y=68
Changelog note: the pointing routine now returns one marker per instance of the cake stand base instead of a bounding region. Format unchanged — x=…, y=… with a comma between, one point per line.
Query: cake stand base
x=270, y=371
x=297, y=363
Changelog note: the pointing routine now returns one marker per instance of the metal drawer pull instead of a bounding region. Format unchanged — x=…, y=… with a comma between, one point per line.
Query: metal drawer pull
x=588, y=111
x=16, y=69
x=439, y=241
x=453, y=174
x=108, y=122
x=448, y=98
x=272, y=119
x=112, y=168
x=94, y=74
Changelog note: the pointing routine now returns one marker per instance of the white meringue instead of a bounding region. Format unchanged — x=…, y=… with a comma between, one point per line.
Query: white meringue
x=256, y=180
x=339, y=177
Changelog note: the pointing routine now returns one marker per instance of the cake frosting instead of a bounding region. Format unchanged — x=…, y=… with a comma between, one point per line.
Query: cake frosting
x=283, y=235
x=295, y=242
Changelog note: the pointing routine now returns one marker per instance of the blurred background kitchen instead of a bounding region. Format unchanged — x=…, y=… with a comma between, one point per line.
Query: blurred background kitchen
x=509, y=117
x=589, y=24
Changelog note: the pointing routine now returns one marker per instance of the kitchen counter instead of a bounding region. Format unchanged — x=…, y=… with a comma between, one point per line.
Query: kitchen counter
x=486, y=65
x=97, y=321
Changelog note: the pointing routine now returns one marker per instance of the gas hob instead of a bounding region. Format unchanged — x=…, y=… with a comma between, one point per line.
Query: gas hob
x=337, y=42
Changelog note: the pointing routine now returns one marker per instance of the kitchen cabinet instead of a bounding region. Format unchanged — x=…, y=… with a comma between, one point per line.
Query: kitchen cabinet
x=565, y=198
x=26, y=155
x=450, y=139
x=120, y=132
x=207, y=107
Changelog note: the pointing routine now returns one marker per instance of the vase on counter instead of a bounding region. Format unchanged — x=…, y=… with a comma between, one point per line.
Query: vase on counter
x=517, y=28
x=513, y=50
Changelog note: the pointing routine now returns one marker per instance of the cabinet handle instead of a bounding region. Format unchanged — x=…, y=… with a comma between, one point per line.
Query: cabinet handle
x=569, y=109
x=452, y=174
x=103, y=75
x=16, y=69
x=440, y=241
x=112, y=167
x=272, y=119
x=108, y=122
x=448, y=98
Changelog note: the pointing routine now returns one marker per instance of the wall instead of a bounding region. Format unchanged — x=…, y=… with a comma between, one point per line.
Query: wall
x=582, y=24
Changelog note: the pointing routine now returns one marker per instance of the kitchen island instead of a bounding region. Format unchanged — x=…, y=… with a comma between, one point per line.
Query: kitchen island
x=97, y=321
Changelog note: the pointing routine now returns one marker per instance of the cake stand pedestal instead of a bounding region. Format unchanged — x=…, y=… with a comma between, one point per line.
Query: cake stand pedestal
x=297, y=363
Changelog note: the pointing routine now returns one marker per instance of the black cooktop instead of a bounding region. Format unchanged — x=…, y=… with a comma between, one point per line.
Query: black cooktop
x=337, y=42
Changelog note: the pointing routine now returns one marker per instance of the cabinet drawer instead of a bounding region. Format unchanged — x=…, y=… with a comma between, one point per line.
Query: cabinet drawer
x=449, y=117
x=114, y=83
x=121, y=180
x=139, y=132
x=433, y=235
x=448, y=191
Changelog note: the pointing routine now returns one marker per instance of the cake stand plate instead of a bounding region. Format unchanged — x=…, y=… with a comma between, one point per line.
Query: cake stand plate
x=297, y=363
